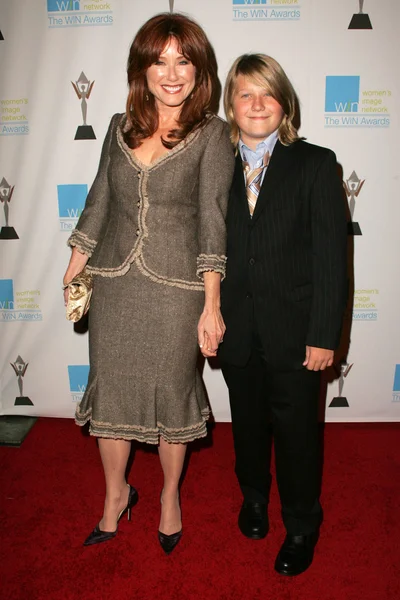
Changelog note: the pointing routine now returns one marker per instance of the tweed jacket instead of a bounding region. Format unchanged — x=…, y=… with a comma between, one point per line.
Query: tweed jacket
x=167, y=217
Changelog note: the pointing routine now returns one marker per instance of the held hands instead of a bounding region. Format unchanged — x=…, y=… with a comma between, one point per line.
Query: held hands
x=317, y=359
x=210, y=331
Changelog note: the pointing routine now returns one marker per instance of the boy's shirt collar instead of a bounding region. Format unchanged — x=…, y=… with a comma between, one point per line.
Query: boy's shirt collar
x=253, y=157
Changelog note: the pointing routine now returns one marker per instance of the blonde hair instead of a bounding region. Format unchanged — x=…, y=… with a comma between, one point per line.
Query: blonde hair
x=267, y=73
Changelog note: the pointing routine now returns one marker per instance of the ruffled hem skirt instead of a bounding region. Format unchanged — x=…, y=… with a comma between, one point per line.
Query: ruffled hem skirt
x=143, y=381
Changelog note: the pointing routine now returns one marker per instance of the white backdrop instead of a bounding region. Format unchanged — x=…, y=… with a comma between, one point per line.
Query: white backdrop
x=348, y=83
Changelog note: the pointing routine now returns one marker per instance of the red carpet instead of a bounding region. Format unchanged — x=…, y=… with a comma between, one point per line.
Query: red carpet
x=52, y=496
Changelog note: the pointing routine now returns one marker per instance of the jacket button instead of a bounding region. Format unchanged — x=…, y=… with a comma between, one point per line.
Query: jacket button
x=137, y=231
x=249, y=296
x=252, y=261
x=139, y=175
x=138, y=203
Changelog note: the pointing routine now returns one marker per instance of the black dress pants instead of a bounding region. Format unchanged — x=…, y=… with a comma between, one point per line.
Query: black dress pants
x=266, y=402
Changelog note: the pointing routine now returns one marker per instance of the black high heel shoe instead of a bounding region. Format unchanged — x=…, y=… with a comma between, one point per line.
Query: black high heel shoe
x=169, y=542
x=97, y=536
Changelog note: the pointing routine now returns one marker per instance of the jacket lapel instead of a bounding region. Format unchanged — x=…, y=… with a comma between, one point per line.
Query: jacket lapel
x=279, y=164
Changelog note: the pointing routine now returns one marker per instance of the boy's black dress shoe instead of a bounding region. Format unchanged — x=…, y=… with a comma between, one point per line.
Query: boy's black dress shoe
x=253, y=520
x=296, y=554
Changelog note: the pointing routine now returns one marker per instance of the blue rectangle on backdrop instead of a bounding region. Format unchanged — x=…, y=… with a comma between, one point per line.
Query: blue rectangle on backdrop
x=249, y=2
x=342, y=93
x=78, y=377
x=63, y=5
x=6, y=294
x=396, y=382
x=71, y=200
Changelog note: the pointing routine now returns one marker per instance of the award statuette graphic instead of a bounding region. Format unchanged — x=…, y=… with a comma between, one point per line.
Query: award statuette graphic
x=6, y=192
x=171, y=6
x=83, y=88
x=352, y=187
x=20, y=367
x=360, y=20
x=341, y=401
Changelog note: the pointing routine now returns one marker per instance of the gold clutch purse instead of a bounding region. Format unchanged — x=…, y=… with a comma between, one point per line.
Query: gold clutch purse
x=79, y=293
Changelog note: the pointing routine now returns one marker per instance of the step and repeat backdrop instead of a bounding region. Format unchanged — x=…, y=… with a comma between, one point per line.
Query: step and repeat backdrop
x=62, y=65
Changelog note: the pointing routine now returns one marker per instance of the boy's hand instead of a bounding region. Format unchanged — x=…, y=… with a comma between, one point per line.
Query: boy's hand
x=317, y=359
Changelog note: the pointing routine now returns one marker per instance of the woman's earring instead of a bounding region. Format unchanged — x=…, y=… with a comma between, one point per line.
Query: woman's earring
x=147, y=97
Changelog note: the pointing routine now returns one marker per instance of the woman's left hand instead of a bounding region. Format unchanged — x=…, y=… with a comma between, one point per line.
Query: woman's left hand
x=210, y=331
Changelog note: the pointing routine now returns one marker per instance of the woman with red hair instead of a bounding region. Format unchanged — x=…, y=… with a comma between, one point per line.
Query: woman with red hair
x=152, y=234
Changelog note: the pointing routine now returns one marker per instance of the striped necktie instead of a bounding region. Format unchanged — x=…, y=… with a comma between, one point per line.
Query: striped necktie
x=253, y=181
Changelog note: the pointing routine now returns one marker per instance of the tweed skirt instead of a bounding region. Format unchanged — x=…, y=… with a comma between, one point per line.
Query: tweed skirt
x=143, y=380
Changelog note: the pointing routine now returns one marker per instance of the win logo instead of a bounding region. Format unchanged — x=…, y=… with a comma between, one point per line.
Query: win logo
x=75, y=13
x=63, y=5
x=342, y=93
x=78, y=378
x=71, y=201
x=266, y=10
x=6, y=294
x=20, y=305
x=396, y=384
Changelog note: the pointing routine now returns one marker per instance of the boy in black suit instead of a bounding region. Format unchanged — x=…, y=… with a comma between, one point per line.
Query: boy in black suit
x=282, y=302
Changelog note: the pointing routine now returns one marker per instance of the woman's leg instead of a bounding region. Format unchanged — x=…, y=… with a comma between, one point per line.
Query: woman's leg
x=172, y=457
x=114, y=455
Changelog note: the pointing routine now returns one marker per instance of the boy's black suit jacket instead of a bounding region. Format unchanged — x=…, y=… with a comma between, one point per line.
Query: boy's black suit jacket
x=286, y=268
